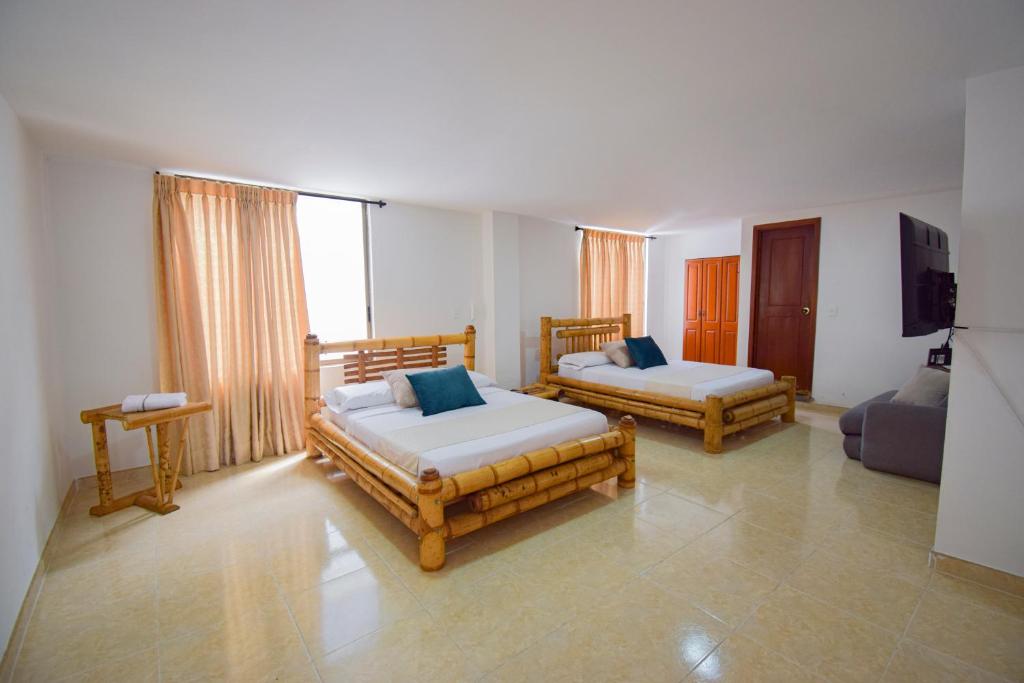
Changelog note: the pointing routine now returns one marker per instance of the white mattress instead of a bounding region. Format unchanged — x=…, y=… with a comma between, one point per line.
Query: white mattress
x=635, y=378
x=369, y=425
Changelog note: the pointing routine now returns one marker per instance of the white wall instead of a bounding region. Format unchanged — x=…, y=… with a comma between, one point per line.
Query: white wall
x=499, y=317
x=425, y=267
x=655, y=324
x=100, y=217
x=665, y=296
x=548, y=283
x=31, y=485
x=981, y=501
x=859, y=352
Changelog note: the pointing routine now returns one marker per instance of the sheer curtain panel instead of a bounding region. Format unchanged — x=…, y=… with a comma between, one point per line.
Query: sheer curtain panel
x=612, y=276
x=231, y=315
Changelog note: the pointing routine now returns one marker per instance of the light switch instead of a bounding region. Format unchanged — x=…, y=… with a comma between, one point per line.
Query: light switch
x=832, y=311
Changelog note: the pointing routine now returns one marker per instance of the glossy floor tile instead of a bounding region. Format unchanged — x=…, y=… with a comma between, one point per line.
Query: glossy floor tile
x=741, y=659
x=980, y=636
x=779, y=560
x=874, y=595
x=640, y=632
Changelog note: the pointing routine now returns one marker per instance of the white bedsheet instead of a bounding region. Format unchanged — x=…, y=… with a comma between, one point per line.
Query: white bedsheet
x=369, y=425
x=635, y=378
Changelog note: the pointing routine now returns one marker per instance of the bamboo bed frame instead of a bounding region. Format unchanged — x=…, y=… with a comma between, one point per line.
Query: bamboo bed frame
x=437, y=508
x=716, y=416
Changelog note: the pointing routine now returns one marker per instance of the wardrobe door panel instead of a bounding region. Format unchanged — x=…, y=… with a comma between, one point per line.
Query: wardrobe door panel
x=691, y=310
x=711, y=305
x=730, y=309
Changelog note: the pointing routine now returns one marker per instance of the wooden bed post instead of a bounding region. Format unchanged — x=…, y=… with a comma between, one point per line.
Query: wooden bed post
x=627, y=325
x=713, y=424
x=790, y=414
x=311, y=401
x=431, y=514
x=627, y=451
x=545, y=349
x=469, y=348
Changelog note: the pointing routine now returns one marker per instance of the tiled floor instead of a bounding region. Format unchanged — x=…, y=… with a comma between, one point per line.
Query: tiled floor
x=780, y=560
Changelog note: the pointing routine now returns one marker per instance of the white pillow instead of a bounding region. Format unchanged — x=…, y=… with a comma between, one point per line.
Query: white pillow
x=480, y=380
x=618, y=353
x=587, y=359
x=356, y=396
x=401, y=388
x=403, y=394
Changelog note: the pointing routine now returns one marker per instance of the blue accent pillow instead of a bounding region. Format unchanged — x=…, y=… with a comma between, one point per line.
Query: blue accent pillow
x=439, y=391
x=645, y=352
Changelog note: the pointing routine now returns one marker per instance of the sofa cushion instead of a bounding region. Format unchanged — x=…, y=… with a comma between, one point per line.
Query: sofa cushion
x=851, y=446
x=904, y=439
x=928, y=387
x=852, y=421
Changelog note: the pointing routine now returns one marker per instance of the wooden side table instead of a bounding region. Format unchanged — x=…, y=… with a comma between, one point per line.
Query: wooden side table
x=159, y=498
x=541, y=391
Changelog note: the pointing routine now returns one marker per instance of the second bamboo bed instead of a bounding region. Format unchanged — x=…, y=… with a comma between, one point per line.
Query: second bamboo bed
x=715, y=416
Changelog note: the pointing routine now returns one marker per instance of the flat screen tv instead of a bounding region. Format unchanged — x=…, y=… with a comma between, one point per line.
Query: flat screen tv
x=929, y=292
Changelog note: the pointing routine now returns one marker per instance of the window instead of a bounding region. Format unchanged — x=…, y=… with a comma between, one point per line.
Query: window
x=333, y=239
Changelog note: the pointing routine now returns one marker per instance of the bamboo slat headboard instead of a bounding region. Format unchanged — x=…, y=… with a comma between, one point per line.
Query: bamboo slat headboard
x=577, y=335
x=365, y=360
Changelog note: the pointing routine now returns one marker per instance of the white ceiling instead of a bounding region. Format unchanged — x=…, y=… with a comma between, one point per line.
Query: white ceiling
x=646, y=115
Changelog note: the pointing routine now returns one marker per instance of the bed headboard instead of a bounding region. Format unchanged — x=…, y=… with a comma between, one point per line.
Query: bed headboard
x=577, y=335
x=363, y=360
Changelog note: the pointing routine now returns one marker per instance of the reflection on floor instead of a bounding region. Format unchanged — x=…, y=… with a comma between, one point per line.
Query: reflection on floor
x=780, y=560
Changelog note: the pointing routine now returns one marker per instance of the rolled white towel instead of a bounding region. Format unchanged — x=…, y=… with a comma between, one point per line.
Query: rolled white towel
x=139, y=402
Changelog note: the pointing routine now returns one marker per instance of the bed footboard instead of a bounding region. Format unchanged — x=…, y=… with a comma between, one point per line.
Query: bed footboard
x=500, y=491
x=724, y=415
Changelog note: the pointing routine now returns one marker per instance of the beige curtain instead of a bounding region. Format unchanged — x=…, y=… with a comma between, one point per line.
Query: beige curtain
x=231, y=313
x=612, y=276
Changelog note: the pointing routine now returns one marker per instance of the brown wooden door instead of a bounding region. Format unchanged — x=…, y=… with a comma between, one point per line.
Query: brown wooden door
x=730, y=309
x=784, y=299
x=691, y=310
x=710, y=309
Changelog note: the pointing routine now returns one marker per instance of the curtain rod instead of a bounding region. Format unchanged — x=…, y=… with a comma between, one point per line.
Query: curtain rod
x=303, y=193
x=621, y=232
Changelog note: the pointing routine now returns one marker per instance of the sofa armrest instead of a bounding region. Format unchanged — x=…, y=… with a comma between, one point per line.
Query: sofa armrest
x=904, y=439
x=852, y=421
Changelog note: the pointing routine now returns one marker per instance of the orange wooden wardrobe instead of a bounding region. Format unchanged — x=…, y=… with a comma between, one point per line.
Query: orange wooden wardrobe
x=711, y=311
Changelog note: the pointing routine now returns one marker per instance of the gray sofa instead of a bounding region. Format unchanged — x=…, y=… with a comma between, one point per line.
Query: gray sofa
x=898, y=438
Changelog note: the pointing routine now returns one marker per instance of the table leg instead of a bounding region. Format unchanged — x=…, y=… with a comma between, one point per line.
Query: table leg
x=177, y=465
x=154, y=463
x=99, y=449
x=163, y=449
x=159, y=498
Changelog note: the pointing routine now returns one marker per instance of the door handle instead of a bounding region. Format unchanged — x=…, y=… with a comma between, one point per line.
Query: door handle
x=806, y=310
